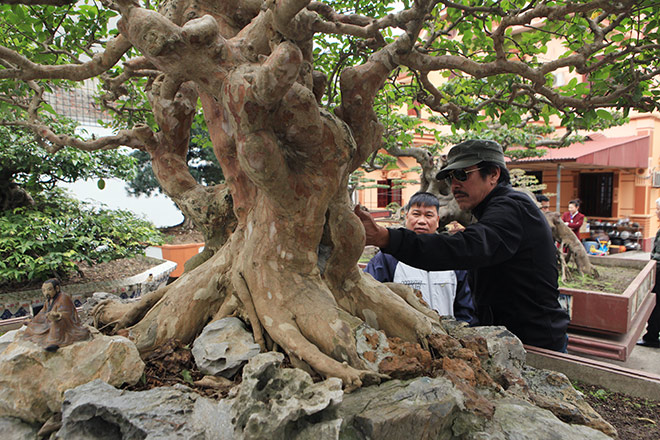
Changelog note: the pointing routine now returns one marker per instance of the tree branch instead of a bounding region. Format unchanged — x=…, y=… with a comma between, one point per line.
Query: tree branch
x=26, y=70
x=140, y=137
x=38, y=2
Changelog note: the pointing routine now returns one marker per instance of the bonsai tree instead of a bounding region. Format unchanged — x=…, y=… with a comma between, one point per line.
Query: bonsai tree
x=202, y=164
x=282, y=240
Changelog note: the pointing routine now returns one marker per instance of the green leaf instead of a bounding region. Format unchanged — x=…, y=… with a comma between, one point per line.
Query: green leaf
x=59, y=231
x=187, y=377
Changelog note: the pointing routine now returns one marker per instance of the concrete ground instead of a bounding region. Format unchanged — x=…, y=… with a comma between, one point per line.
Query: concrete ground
x=641, y=359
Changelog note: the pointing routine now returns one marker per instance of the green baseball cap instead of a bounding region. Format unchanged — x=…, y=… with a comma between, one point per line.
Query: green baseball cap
x=472, y=152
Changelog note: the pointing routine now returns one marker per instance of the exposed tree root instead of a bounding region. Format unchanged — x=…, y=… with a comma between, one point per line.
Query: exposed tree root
x=117, y=316
x=409, y=295
x=290, y=266
x=299, y=313
x=243, y=294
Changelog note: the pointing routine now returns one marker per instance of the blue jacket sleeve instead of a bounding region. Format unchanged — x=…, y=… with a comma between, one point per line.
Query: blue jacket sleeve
x=464, y=309
x=382, y=267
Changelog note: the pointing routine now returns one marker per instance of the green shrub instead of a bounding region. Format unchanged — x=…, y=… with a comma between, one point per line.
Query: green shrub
x=50, y=239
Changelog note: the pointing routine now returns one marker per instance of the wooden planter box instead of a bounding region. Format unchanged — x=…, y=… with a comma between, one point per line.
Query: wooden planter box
x=609, y=312
x=180, y=253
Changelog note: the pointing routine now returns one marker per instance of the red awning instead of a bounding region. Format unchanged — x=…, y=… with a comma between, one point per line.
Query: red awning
x=623, y=152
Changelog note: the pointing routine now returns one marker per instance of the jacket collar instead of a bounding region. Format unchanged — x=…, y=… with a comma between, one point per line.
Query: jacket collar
x=499, y=190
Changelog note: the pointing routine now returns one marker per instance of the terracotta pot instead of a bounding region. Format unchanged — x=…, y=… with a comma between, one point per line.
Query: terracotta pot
x=180, y=253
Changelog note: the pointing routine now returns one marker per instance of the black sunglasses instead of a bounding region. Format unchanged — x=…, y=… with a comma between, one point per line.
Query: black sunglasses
x=460, y=175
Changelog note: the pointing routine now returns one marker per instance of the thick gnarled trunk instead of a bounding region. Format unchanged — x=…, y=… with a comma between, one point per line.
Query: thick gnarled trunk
x=290, y=266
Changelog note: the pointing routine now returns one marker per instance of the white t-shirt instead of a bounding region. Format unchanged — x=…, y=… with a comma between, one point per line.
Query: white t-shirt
x=438, y=287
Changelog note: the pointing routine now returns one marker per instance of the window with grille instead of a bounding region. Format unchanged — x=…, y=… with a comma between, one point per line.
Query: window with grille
x=387, y=193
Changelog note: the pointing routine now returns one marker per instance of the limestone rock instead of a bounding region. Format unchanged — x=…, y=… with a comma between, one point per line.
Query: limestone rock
x=15, y=429
x=33, y=380
x=518, y=419
x=96, y=411
x=326, y=430
x=282, y=403
x=434, y=408
x=372, y=346
x=8, y=338
x=421, y=408
x=506, y=354
x=223, y=347
x=553, y=391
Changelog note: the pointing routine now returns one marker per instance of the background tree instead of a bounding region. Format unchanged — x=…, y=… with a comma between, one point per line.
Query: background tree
x=26, y=169
x=289, y=266
x=46, y=233
x=202, y=163
x=56, y=234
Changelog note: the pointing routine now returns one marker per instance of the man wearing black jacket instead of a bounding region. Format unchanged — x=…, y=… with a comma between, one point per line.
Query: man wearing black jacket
x=510, y=249
x=447, y=291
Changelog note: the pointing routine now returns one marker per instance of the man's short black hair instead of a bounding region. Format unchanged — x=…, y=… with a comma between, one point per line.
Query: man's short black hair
x=575, y=202
x=422, y=198
x=487, y=168
x=542, y=198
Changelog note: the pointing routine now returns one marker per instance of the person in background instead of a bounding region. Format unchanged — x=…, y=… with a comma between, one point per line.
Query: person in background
x=544, y=201
x=447, y=292
x=573, y=217
x=509, y=250
x=652, y=336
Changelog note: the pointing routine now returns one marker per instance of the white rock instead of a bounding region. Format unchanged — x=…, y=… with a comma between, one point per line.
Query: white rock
x=97, y=411
x=280, y=403
x=223, y=347
x=9, y=337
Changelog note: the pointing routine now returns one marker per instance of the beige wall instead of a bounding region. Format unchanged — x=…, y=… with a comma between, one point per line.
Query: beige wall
x=369, y=197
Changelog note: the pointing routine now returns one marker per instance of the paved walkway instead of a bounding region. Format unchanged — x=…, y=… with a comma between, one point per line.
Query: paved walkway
x=635, y=255
x=642, y=359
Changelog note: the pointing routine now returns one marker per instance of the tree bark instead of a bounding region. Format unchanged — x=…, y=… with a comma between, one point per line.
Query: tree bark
x=567, y=239
x=13, y=196
x=290, y=266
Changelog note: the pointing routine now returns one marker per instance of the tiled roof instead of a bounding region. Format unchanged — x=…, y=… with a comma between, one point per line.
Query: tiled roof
x=625, y=152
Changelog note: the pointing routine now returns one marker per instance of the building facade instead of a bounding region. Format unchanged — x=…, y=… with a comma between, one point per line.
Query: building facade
x=615, y=174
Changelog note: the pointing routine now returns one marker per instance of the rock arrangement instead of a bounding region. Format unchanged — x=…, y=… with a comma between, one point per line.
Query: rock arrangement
x=223, y=347
x=97, y=410
x=33, y=380
x=479, y=388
